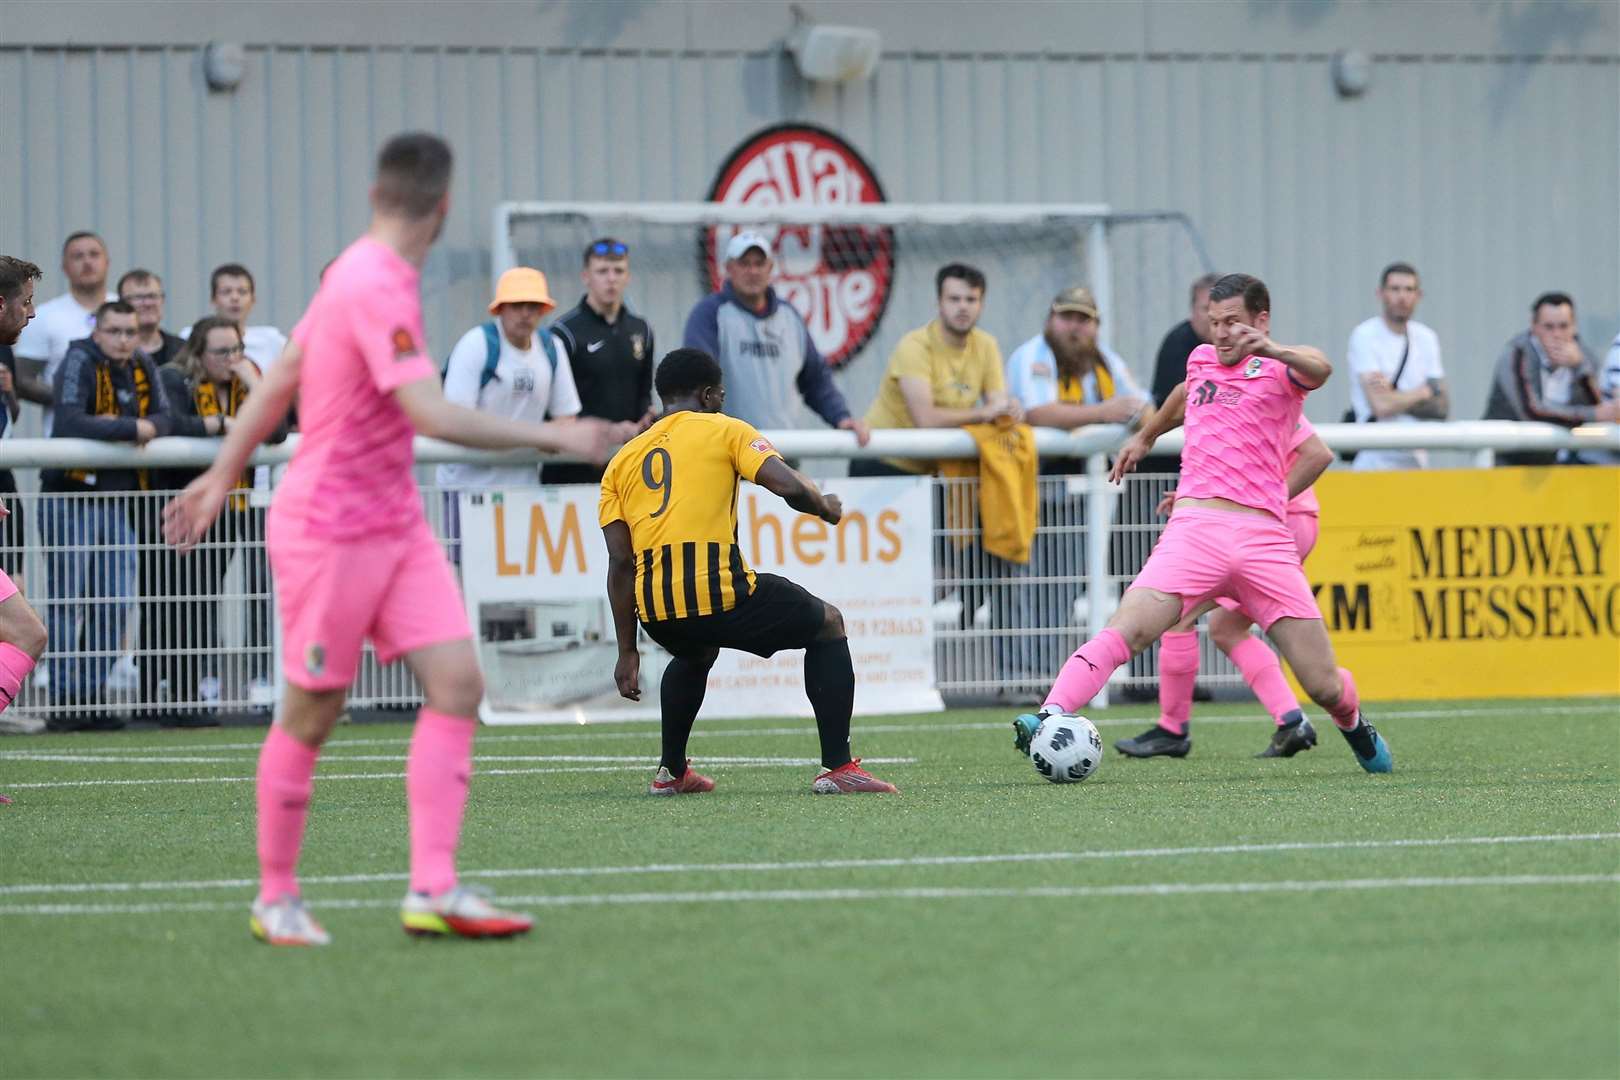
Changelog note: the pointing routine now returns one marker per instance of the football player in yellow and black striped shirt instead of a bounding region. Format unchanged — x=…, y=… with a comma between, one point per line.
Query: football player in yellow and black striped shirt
x=669, y=515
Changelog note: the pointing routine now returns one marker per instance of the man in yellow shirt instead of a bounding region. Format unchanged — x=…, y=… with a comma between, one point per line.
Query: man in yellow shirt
x=669, y=517
x=945, y=374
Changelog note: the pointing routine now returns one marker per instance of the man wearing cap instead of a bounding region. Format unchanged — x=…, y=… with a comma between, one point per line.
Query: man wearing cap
x=508, y=368
x=609, y=348
x=1065, y=379
x=764, y=348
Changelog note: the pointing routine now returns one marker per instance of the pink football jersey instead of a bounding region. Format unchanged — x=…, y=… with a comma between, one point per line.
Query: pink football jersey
x=362, y=338
x=1241, y=423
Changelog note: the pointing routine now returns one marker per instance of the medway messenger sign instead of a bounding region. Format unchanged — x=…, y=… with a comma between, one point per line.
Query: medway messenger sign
x=1476, y=583
x=838, y=276
x=534, y=572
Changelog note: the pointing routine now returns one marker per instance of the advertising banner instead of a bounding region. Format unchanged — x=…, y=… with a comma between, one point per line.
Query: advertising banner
x=1477, y=583
x=534, y=572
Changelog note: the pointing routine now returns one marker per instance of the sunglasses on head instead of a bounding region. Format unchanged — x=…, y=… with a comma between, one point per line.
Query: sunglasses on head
x=609, y=247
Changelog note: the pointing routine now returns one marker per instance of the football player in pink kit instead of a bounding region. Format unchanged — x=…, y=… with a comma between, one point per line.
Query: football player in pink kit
x=352, y=553
x=1308, y=458
x=1227, y=536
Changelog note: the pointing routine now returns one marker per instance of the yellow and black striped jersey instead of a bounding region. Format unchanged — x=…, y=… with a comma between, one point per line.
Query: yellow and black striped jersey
x=675, y=486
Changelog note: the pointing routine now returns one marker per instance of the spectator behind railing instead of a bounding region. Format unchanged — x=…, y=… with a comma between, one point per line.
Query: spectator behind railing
x=143, y=291
x=179, y=633
x=1546, y=374
x=62, y=320
x=764, y=347
x=1170, y=368
x=610, y=349
x=1065, y=379
x=945, y=374
x=105, y=389
x=233, y=293
x=1396, y=375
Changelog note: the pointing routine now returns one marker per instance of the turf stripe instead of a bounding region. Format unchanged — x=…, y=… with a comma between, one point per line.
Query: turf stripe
x=644, y=766
x=623, y=729
x=737, y=896
x=838, y=864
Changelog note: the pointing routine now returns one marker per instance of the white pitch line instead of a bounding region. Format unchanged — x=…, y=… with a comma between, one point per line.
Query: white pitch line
x=618, y=759
x=606, y=731
x=477, y=772
x=737, y=896
x=836, y=864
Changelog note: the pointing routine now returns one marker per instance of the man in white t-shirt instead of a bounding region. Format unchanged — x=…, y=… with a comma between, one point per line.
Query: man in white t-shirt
x=1395, y=361
x=1609, y=380
x=232, y=292
x=530, y=380
x=62, y=320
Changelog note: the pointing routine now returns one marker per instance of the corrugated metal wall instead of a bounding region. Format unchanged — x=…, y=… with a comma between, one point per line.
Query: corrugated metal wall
x=1496, y=176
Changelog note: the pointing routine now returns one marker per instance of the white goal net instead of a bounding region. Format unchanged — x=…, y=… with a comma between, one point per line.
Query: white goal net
x=862, y=274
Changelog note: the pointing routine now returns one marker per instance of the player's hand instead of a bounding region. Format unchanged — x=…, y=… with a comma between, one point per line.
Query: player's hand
x=1167, y=505
x=1013, y=410
x=246, y=370
x=863, y=434
x=1254, y=342
x=587, y=438
x=625, y=430
x=627, y=675
x=646, y=420
x=832, y=508
x=145, y=432
x=1135, y=449
x=188, y=515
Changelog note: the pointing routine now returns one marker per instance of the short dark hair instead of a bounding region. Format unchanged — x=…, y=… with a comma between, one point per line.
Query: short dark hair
x=13, y=272
x=1201, y=284
x=113, y=307
x=1256, y=297
x=413, y=173
x=230, y=270
x=683, y=372
x=1553, y=299
x=961, y=272
x=137, y=274
x=81, y=235
x=605, y=247
x=1396, y=268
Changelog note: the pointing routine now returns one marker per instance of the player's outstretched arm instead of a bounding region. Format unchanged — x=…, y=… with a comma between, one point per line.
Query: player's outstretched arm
x=188, y=515
x=621, y=589
x=424, y=403
x=1310, y=365
x=1311, y=460
x=798, y=490
x=1165, y=418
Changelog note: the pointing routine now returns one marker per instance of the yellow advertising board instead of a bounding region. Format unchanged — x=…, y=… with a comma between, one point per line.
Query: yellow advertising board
x=1472, y=583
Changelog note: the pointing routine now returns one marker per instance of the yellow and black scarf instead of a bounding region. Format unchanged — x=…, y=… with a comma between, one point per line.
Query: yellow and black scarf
x=1071, y=388
x=205, y=396
x=106, y=404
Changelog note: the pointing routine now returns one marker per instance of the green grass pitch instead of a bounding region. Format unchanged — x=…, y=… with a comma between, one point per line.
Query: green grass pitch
x=1218, y=916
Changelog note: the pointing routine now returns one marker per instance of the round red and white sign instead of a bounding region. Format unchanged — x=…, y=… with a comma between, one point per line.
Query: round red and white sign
x=839, y=277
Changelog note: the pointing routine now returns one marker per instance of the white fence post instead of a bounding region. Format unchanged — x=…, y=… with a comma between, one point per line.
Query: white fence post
x=1099, y=534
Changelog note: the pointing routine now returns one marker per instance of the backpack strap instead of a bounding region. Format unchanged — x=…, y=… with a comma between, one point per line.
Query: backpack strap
x=492, y=353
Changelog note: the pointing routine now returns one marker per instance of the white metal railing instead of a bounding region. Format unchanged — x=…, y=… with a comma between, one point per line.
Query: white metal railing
x=1095, y=536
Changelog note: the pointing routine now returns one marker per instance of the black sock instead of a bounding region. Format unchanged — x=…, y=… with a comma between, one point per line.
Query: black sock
x=680, y=695
x=829, y=683
x=1292, y=719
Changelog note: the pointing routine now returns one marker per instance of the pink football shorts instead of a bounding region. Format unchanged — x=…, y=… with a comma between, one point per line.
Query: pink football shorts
x=1304, y=527
x=1251, y=558
x=8, y=588
x=333, y=594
